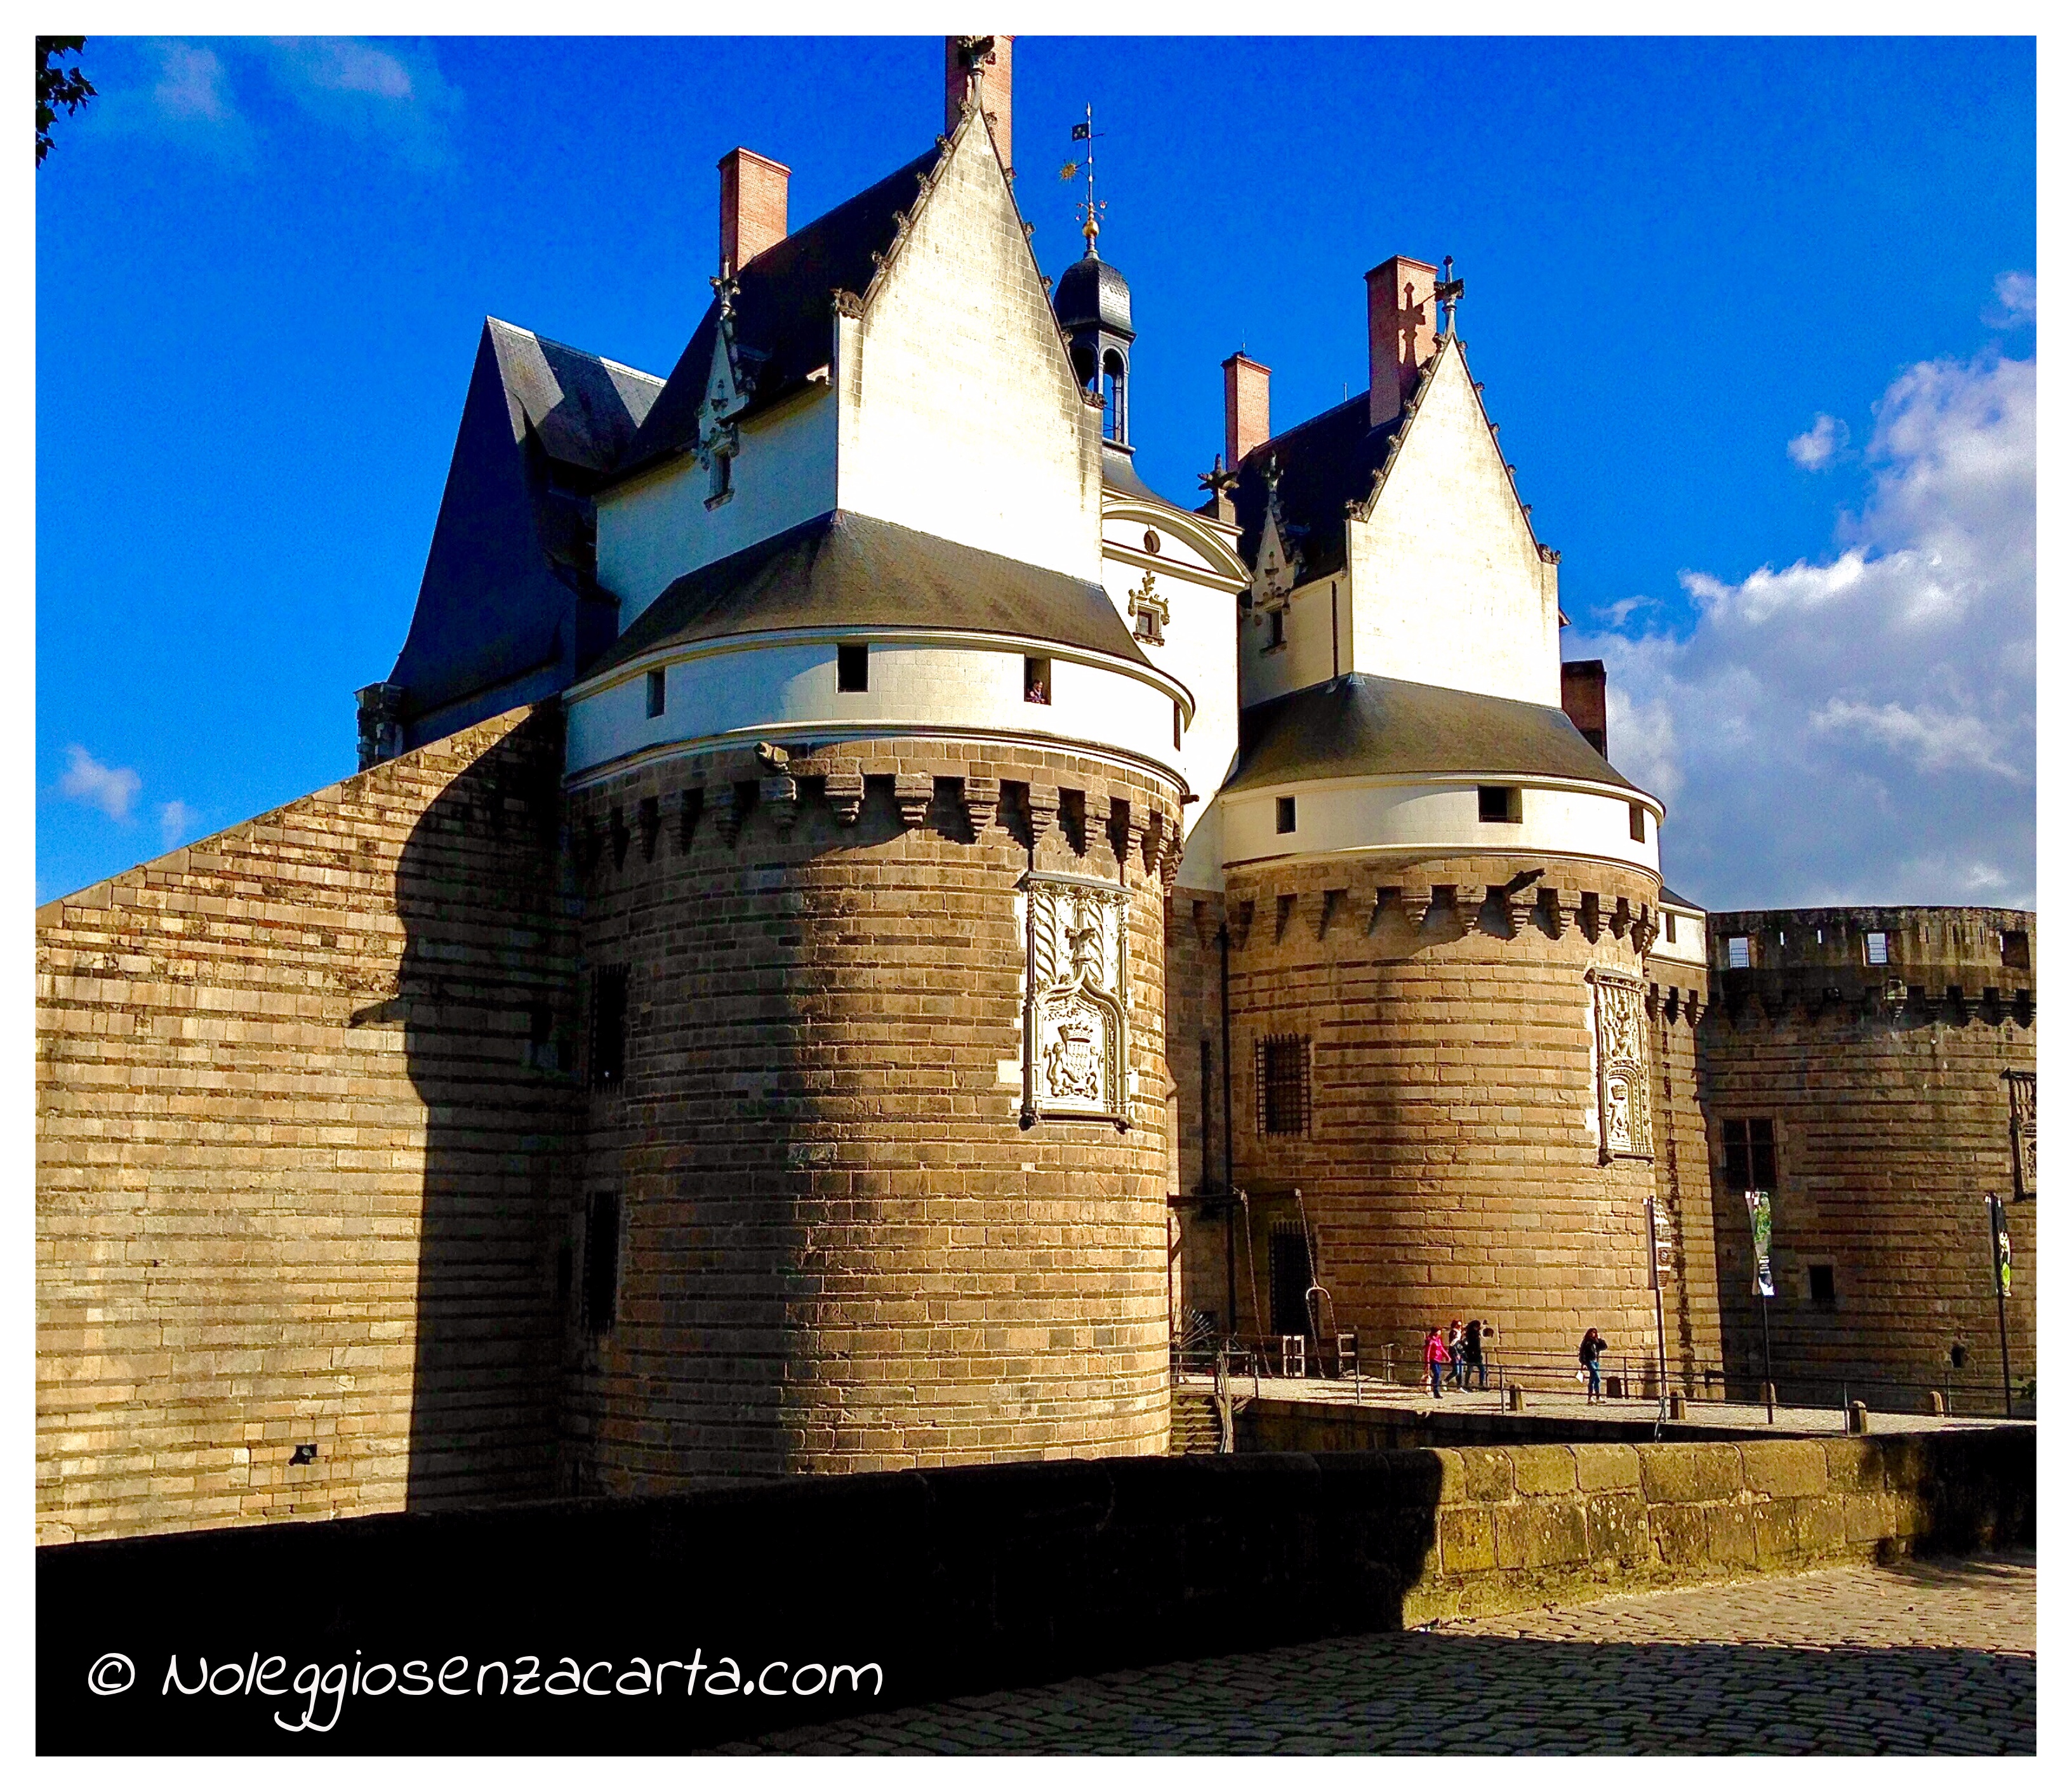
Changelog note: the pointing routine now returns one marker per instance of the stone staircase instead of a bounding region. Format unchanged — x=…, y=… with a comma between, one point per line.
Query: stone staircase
x=1194, y=1429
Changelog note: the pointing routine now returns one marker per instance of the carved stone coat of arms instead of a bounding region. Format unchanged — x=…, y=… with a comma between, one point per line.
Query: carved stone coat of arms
x=1626, y=1121
x=1075, y=1017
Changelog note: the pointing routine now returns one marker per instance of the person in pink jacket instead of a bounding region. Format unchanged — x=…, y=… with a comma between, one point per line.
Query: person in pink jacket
x=1437, y=1358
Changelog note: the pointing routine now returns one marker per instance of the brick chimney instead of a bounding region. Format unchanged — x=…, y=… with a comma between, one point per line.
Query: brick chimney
x=1401, y=330
x=994, y=57
x=1583, y=698
x=755, y=198
x=1245, y=425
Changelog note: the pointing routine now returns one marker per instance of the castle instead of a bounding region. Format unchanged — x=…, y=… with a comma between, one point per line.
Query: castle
x=861, y=924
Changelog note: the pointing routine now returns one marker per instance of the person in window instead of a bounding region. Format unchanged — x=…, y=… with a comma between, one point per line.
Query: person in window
x=1588, y=1353
x=1436, y=1357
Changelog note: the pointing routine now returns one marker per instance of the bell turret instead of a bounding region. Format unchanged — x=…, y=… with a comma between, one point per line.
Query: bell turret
x=1093, y=310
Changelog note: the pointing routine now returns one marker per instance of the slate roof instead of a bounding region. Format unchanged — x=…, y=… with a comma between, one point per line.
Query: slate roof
x=1359, y=726
x=1670, y=899
x=842, y=570
x=784, y=311
x=1325, y=464
x=509, y=584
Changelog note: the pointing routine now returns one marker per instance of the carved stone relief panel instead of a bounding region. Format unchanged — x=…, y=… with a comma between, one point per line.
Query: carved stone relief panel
x=1625, y=1121
x=1074, y=1030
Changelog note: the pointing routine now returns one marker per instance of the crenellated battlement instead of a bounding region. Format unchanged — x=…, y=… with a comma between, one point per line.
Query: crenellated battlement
x=1902, y=965
x=741, y=795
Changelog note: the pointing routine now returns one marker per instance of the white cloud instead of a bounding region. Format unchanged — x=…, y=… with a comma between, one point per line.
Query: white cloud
x=176, y=821
x=1820, y=444
x=1862, y=728
x=393, y=99
x=182, y=92
x=193, y=84
x=110, y=789
x=2014, y=302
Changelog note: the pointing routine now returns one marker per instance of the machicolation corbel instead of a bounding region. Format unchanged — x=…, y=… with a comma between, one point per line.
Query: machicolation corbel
x=982, y=800
x=914, y=793
x=844, y=792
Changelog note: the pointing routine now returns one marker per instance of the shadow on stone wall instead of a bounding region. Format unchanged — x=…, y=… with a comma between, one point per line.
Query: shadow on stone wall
x=486, y=994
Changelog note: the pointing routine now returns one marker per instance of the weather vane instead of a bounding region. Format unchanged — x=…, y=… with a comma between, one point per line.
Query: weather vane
x=1090, y=208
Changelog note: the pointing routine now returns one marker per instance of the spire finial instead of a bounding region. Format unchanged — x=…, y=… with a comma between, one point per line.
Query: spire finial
x=1090, y=208
x=1448, y=293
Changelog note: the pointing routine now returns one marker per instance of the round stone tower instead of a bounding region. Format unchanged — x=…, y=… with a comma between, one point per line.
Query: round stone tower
x=1441, y=906
x=1874, y=1070
x=874, y=937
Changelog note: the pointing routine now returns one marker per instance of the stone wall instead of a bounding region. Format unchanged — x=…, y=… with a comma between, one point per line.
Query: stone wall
x=1194, y=1021
x=966, y=1580
x=1886, y=1090
x=1450, y=1166
x=301, y=1166
x=842, y=1248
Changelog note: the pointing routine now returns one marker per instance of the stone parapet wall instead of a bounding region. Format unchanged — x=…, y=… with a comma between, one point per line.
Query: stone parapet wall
x=1542, y=1523
x=301, y=1167
x=966, y=1580
x=843, y=1249
x=1450, y=1166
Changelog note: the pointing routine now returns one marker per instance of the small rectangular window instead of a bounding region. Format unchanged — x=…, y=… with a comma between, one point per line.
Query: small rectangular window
x=1820, y=1284
x=657, y=693
x=608, y=1027
x=1277, y=629
x=1737, y=952
x=1877, y=949
x=1282, y=1074
x=722, y=480
x=1284, y=814
x=1499, y=803
x=1035, y=679
x=2014, y=950
x=1669, y=927
x=1636, y=821
x=853, y=666
x=1751, y=1152
x=601, y=1263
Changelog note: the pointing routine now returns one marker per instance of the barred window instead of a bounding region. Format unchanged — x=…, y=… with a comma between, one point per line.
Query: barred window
x=1281, y=1077
x=1738, y=956
x=608, y=1027
x=1751, y=1154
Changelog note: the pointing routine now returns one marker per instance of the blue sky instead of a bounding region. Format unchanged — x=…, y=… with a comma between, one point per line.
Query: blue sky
x=1756, y=318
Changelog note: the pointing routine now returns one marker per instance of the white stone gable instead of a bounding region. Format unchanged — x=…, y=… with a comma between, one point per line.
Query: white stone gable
x=1448, y=585
x=960, y=415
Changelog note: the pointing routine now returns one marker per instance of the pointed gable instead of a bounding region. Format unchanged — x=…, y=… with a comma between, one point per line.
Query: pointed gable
x=961, y=415
x=1448, y=585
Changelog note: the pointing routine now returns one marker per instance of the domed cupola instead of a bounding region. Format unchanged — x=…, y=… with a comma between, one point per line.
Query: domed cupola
x=1092, y=305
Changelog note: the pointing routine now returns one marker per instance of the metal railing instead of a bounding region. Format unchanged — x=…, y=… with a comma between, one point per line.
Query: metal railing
x=1634, y=1376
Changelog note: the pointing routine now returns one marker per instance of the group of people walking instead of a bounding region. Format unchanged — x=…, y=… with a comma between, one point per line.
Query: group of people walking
x=1459, y=1354
x=1456, y=1355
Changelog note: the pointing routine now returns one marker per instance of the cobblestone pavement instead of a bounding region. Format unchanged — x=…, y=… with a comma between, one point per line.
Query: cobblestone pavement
x=1925, y=1657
